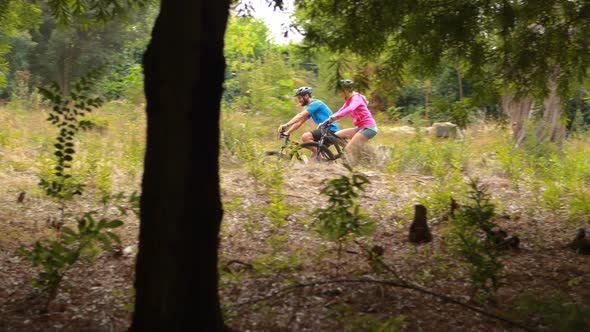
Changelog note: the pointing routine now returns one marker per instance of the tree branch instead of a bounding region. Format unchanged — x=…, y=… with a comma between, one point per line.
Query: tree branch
x=393, y=283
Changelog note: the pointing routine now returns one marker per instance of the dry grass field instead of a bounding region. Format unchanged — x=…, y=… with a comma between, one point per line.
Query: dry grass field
x=277, y=272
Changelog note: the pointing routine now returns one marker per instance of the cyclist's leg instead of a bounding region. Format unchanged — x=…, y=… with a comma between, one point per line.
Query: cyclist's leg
x=308, y=136
x=346, y=133
x=311, y=136
x=324, y=153
x=356, y=143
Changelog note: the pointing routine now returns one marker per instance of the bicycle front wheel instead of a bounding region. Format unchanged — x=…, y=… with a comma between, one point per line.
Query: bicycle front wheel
x=274, y=157
x=323, y=152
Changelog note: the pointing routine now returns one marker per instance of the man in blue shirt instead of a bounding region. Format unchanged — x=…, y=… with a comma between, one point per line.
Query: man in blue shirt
x=314, y=109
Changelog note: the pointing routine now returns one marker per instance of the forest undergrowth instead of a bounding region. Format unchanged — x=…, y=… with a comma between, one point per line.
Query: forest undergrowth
x=316, y=247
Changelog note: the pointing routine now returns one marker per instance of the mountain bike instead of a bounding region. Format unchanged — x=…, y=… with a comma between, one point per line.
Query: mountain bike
x=291, y=150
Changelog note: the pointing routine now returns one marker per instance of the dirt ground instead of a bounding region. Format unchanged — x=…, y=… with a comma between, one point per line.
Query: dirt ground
x=301, y=284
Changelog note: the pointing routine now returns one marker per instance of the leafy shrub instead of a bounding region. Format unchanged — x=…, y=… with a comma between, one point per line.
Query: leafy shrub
x=365, y=322
x=556, y=311
x=133, y=85
x=469, y=237
x=67, y=114
x=57, y=256
x=343, y=217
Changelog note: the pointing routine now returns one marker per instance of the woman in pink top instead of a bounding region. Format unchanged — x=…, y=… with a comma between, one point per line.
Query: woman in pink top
x=356, y=105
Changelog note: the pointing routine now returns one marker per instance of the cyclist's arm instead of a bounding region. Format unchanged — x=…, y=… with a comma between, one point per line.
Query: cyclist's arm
x=296, y=126
x=345, y=109
x=297, y=121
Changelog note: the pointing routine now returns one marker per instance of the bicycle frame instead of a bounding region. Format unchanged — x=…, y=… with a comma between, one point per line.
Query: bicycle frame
x=338, y=142
x=289, y=148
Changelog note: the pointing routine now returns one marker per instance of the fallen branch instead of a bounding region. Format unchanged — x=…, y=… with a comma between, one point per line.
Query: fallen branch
x=400, y=284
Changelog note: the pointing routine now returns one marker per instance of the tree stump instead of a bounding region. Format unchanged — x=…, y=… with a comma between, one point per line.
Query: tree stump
x=419, y=231
x=581, y=244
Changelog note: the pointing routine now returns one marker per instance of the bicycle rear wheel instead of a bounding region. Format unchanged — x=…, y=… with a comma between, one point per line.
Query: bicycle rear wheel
x=323, y=152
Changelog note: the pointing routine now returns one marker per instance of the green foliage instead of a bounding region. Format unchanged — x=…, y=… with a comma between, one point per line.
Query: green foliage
x=57, y=256
x=53, y=52
x=457, y=112
x=276, y=209
x=22, y=98
x=343, y=216
x=245, y=41
x=492, y=47
x=579, y=205
x=278, y=262
x=133, y=85
x=124, y=203
x=128, y=296
x=430, y=157
x=271, y=85
x=65, y=12
x=512, y=161
x=365, y=322
x=238, y=136
x=556, y=311
x=67, y=114
x=245, y=44
x=269, y=179
x=558, y=178
x=470, y=237
x=15, y=15
x=124, y=81
x=260, y=75
x=445, y=161
x=517, y=41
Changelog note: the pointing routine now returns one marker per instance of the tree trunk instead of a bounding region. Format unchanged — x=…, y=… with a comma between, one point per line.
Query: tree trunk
x=63, y=71
x=519, y=111
x=427, y=91
x=460, y=81
x=176, y=269
x=550, y=127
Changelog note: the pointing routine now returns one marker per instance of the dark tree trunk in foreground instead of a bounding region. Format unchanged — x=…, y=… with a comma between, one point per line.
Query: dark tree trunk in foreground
x=176, y=271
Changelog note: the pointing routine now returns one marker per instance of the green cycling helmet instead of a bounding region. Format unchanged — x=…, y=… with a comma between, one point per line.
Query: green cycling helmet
x=346, y=84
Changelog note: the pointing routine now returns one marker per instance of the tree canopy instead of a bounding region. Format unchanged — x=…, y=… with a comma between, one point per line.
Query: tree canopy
x=69, y=22
x=518, y=41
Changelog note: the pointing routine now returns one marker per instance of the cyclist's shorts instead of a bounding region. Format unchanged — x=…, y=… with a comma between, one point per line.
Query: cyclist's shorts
x=317, y=134
x=368, y=132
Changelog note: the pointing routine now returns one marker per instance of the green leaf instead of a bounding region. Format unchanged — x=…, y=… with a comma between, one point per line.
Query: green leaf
x=122, y=210
x=114, y=237
x=72, y=256
x=113, y=224
x=69, y=231
x=106, y=242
